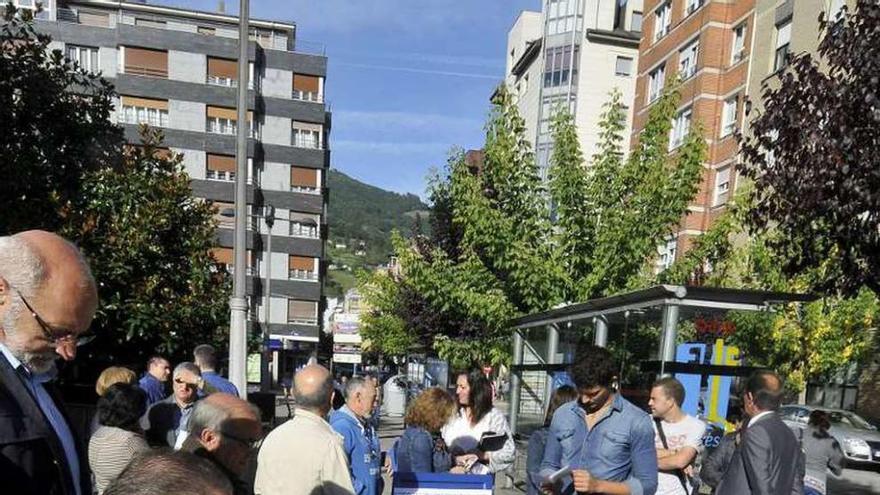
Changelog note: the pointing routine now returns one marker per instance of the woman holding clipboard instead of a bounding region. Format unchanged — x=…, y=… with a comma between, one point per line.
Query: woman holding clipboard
x=478, y=436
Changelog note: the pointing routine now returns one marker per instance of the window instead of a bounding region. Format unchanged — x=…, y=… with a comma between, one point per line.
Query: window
x=636, y=23
x=222, y=120
x=304, y=180
x=224, y=214
x=225, y=258
x=304, y=225
x=560, y=67
x=153, y=23
x=623, y=67
x=85, y=56
x=656, y=81
x=306, y=136
x=302, y=312
x=220, y=167
x=722, y=186
x=687, y=60
x=666, y=254
x=136, y=110
x=306, y=88
x=98, y=19
x=691, y=6
x=728, y=116
x=681, y=125
x=222, y=72
x=783, y=40
x=302, y=268
x=739, y=43
x=662, y=20
x=145, y=62
x=207, y=31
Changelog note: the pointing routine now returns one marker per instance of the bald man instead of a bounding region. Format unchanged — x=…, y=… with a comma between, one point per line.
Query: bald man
x=47, y=301
x=225, y=430
x=304, y=456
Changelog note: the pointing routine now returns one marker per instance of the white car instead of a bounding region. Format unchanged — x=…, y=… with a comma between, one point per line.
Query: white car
x=859, y=440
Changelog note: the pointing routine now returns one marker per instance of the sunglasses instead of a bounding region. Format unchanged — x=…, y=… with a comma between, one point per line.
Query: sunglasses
x=57, y=336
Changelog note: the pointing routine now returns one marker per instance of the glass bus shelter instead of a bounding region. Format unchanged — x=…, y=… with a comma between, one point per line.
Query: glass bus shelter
x=644, y=323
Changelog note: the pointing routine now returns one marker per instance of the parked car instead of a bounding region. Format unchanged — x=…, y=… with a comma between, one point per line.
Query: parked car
x=859, y=439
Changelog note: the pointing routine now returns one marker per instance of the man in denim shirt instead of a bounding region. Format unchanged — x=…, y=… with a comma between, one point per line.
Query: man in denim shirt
x=606, y=440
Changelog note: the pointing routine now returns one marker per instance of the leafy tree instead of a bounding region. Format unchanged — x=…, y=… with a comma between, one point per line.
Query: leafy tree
x=149, y=242
x=814, y=152
x=51, y=135
x=502, y=256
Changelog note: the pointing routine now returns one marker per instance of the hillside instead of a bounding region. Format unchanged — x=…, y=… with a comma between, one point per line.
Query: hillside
x=361, y=213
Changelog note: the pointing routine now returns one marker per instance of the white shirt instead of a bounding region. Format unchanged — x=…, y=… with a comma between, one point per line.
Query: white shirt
x=462, y=438
x=757, y=417
x=685, y=433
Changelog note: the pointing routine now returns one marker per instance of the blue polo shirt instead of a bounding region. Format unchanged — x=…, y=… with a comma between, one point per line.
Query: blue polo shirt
x=220, y=383
x=153, y=387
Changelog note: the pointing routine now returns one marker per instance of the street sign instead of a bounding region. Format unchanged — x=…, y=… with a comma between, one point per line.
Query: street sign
x=347, y=358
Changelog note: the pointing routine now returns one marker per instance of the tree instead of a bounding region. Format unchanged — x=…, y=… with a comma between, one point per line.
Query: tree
x=149, y=241
x=814, y=155
x=503, y=257
x=51, y=135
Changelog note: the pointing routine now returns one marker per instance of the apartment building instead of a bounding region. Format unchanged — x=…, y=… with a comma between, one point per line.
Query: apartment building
x=707, y=44
x=573, y=53
x=177, y=69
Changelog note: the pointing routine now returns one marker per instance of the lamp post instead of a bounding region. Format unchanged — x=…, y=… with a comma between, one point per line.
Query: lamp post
x=269, y=217
x=238, y=303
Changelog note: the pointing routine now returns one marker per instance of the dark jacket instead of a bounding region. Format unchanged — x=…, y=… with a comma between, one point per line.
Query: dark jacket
x=768, y=461
x=32, y=460
x=418, y=452
x=161, y=423
x=716, y=462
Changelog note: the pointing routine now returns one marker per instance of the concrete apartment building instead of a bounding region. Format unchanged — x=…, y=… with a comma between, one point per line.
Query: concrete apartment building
x=176, y=69
x=573, y=53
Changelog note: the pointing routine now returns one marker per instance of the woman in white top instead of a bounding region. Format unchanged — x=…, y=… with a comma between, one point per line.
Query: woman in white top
x=476, y=416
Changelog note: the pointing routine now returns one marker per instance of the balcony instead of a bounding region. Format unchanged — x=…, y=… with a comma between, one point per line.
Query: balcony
x=138, y=115
x=299, y=140
x=302, y=320
x=307, y=275
x=135, y=70
x=302, y=230
x=306, y=190
x=229, y=128
x=311, y=96
x=220, y=175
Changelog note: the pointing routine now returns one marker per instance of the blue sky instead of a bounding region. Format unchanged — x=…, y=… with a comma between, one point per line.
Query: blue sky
x=407, y=79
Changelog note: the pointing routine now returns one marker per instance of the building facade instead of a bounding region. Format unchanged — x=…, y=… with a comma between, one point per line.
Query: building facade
x=573, y=54
x=176, y=69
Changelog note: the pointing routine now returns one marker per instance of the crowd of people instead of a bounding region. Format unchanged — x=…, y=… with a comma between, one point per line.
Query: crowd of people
x=202, y=438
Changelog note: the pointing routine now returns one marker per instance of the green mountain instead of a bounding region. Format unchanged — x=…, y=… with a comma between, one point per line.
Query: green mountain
x=361, y=218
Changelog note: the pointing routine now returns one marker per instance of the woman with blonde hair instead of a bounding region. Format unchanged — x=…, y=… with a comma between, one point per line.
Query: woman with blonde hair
x=421, y=449
x=111, y=375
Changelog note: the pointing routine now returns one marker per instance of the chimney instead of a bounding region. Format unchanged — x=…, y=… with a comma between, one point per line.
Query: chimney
x=221, y=6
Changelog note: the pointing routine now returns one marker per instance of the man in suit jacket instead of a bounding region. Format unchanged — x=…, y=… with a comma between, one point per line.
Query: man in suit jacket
x=47, y=301
x=769, y=459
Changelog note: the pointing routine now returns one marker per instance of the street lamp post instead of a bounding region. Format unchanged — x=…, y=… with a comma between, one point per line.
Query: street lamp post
x=269, y=217
x=238, y=303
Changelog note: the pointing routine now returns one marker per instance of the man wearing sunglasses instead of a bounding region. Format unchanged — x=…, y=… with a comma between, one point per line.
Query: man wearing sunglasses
x=47, y=301
x=227, y=431
x=165, y=423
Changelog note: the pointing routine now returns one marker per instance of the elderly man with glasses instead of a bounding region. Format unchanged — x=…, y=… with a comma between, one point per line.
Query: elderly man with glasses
x=227, y=431
x=48, y=299
x=165, y=423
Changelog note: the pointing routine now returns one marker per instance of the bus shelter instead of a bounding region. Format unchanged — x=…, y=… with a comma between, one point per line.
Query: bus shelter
x=544, y=343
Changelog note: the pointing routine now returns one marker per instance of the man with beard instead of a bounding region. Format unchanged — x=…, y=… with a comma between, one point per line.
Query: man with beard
x=47, y=301
x=606, y=441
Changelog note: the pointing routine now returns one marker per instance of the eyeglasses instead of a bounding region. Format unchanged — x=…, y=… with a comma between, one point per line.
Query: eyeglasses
x=57, y=336
x=251, y=444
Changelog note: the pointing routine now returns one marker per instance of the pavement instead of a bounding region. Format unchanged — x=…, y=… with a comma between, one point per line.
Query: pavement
x=853, y=481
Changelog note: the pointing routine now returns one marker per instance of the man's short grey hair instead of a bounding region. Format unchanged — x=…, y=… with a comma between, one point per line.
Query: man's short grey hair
x=23, y=270
x=188, y=366
x=208, y=416
x=318, y=400
x=353, y=385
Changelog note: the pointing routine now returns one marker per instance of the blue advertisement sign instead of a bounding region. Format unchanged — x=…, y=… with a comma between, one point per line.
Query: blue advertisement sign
x=716, y=398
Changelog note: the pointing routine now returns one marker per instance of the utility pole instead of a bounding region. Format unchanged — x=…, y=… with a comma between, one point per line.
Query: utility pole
x=238, y=302
x=266, y=353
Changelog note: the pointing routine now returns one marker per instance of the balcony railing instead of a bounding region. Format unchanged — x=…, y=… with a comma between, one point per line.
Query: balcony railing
x=305, y=189
x=309, y=275
x=138, y=115
x=220, y=175
x=303, y=320
x=308, y=142
x=135, y=70
x=312, y=96
x=300, y=230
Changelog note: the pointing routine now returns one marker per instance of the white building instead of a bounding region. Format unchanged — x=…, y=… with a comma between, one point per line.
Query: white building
x=574, y=52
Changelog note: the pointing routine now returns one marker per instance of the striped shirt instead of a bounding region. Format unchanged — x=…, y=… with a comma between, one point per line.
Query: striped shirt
x=110, y=451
